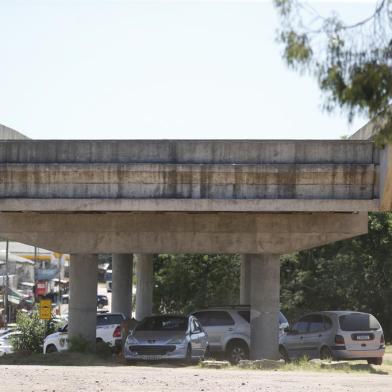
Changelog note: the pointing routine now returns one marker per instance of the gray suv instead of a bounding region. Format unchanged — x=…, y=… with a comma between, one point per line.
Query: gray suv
x=228, y=330
x=335, y=335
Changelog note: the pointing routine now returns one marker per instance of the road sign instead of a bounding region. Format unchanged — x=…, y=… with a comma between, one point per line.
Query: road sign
x=45, y=309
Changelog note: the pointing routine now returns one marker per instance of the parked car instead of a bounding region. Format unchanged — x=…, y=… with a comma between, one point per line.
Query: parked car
x=228, y=330
x=102, y=300
x=335, y=335
x=108, y=331
x=5, y=342
x=166, y=337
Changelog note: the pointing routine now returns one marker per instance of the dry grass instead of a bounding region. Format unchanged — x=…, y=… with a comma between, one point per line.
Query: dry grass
x=350, y=367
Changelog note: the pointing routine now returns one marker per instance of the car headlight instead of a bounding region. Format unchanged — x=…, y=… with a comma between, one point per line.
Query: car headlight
x=131, y=340
x=177, y=341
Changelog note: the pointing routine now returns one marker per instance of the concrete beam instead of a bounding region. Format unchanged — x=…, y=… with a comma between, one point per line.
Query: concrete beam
x=264, y=321
x=83, y=281
x=145, y=285
x=122, y=273
x=189, y=181
x=187, y=205
x=189, y=151
x=180, y=232
x=245, y=280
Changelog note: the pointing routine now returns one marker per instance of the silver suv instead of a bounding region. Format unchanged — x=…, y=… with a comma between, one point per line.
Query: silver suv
x=335, y=335
x=228, y=330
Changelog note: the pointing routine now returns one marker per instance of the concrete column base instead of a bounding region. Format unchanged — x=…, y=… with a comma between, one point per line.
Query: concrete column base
x=145, y=285
x=122, y=272
x=245, y=282
x=83, y=281
x=264, y=323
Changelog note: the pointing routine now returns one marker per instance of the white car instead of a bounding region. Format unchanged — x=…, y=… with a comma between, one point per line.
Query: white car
x=228, y=330
x=108, y=331
x=5, y=342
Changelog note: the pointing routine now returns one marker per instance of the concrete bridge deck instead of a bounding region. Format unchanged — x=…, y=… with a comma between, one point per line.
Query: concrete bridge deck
x=189, y=175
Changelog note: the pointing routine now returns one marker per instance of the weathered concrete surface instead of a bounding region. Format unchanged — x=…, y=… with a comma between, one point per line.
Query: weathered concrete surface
x=145, y=285
x=122, y=272
x=188, y=205
x=180, y=232
x=193, y=181
x=190, y=151
x=189, y=175
x=83, y=281
x=264, y=298
x=245, y=280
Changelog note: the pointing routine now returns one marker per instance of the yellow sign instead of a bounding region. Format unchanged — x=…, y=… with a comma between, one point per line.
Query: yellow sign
x=45, y=309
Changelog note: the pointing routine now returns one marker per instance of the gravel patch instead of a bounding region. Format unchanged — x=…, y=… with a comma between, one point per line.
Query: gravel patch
x=150, y=378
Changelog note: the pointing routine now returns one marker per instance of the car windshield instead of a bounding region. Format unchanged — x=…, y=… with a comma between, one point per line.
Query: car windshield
x=163, y=323
x=358, y=322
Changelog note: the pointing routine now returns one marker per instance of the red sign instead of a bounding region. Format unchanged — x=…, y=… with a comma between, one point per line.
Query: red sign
x=41, y=288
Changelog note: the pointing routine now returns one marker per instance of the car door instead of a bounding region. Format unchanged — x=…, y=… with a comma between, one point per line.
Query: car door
x=294, y=340
x=315, y=335
x=196, y=332
x=218, y=324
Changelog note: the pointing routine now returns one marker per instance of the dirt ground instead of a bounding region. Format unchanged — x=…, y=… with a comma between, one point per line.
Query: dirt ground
x=142, y=378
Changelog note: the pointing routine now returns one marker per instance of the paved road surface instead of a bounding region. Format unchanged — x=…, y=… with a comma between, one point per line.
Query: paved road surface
x=151, y=379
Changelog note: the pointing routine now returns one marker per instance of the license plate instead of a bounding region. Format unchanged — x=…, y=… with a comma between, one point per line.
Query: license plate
x=363, y=337
x=151, y=357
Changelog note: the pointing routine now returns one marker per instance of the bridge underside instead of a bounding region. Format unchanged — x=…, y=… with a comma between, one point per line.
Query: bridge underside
x=171, y=232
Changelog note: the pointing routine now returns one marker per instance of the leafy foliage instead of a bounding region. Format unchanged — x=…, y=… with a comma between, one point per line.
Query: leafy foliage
x=352, y=62
x=186, y=282
x=79, y=344
x=352, y=274
x=32, y=333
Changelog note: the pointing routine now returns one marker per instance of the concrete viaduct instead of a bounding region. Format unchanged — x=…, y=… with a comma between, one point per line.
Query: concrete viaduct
x=257, y=198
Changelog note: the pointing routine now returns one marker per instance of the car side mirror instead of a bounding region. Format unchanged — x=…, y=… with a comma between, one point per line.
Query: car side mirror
x=290, y=330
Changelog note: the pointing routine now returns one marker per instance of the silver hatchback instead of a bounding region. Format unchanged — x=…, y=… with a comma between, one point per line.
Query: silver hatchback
x=335, y=335
x=166, y=337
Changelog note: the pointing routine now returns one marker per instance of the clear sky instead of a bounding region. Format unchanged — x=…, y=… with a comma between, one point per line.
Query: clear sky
x=156, y=69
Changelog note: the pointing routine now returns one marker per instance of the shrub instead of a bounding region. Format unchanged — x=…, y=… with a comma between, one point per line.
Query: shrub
x=32, y=332
x=79, y=344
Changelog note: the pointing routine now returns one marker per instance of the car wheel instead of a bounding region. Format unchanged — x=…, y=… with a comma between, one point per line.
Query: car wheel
x=51, y=349
x=237, y=351
x=188, y=356
x=374, y=361
x=284, y=354
x=326, y=353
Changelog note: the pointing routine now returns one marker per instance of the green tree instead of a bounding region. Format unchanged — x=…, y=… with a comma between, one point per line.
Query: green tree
x=186, y=282
x=352, y=62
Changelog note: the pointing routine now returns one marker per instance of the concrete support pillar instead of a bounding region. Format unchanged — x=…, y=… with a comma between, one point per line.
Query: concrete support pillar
x=264, y=323
x=144, y=286
x=245, y=280
x=122, y=273
x=83, y=280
